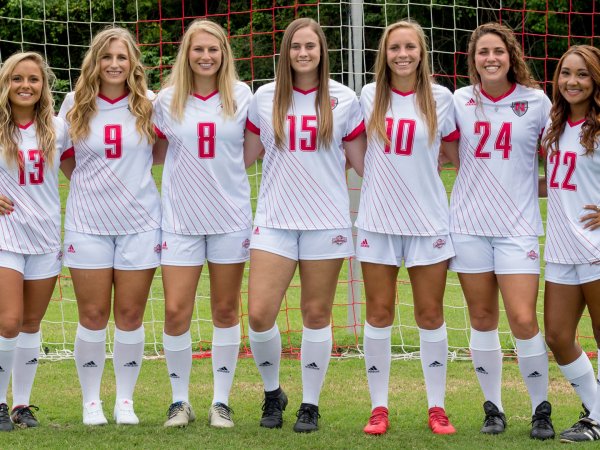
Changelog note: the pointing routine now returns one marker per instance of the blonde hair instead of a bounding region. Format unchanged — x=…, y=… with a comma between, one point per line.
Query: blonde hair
x=182, y=77
x=284, y=85
x=383, y=78
x=88, y=86
x=43, y=110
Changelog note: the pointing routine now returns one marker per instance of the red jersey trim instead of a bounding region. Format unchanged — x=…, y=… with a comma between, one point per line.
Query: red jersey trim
x=212, y=94
x=355, y=133
x=159, y=133
x=253, y=128
x=310, y=91
x=454, y=136
x=68, y=153
x=113, y=101
x=574, y=124
x=24, y=127
x=497, y=99
x=403, y=94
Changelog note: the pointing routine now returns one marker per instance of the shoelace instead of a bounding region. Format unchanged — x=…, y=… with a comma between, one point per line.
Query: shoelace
x=224, y=411
x=174, y=409
x=26, y=412
x=440, y=417
x=542, y=419
x=271, y=405
x=307, y=415
x=490, y=419
x=377, y=418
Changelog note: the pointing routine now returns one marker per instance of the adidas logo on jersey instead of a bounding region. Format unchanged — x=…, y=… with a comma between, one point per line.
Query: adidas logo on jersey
x=130, y=364
x=436, y=364
x=481, y=370
x=373, y=369
x=157, y=248
x=90, y=364
x=265, y=364
x=312, y=365
x=364, y=244
x=531, y=254
x=256, y=230
x=164, y=246
x=71, y=249
x=246, y=243
x=173, y=375
x=439, y=243
x=339, y=240
x=534, y=374
x=471, y=102
x=223, y=369
x=31, y=362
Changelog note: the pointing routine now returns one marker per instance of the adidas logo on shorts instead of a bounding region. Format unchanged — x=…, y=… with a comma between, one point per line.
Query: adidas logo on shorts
x=535, y=374
x=256, y=231
x=481, y=370
x=373, y=369
x=71, y=249
x=223, y=369
x=471, y=102
x=130, y=364
x=364, y=244
x=436, y=364
x=265, y=364
x=90, y=364
x=164, y=246
x=31, y=362
x=173, y=375
x=312, y=365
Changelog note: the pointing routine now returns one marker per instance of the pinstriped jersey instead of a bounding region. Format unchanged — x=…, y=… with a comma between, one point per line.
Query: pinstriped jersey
x=496, y=189
x=303, y=185
x=112, y=190
x=205, y=188
x=33, y=228
x=573, y=180
x=402, y=192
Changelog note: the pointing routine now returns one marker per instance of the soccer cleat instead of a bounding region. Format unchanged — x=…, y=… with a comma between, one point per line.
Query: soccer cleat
x=124, y=413
x=308, y=418
x=378, y=422
x=179, y=415
x=495, y=421
x=439, y=422
x=93, y=414
x=541, y=424
x=582, y=414
x=273, y=407
x=584, y=430
x=5, y=422
x=219, y=416
x=23, y=417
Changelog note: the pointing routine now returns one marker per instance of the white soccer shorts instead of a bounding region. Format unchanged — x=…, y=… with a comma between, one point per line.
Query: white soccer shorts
x=573, y=274
x=33, y=267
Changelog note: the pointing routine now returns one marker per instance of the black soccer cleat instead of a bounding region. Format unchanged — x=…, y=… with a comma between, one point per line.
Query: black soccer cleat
x=495, y=421
x=584, y=430
x=541, y=423
x=273, y=407
x=22, y=416
x=5, y=422
x=308, y=418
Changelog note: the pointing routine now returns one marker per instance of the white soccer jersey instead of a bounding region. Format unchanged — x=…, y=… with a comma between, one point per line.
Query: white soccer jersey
x=112, y=191
x=205, y=188
x=402, y=192
x=303, y=185
x=33, y=228
x=573, y=181
x=496, y=189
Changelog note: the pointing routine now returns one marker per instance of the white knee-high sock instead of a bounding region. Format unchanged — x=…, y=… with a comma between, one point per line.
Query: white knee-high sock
x=378, y=358
x=127, y=360
x=90, y=355
x=533, y=364
x=7, y=357
x=225, y=349
x=266, y=349
x=580, y=374
x=434, y=359
x=25, y=367
x=314, y=355
x=178, y=353
x=487, y=360
x=595, y=410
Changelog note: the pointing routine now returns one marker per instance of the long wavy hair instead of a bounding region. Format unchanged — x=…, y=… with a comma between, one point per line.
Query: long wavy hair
x=518, y=71
x=559, y=114
x=88, y=86
x=284, y=85
x=43, y=111
x=383, y=77
x=182, y=77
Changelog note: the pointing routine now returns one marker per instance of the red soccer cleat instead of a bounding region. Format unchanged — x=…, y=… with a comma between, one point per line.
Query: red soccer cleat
x=438, y=421
x=378, y=422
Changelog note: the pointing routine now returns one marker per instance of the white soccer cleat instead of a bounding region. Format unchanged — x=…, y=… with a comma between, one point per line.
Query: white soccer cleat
x=93, y=414
x=219, y=416
x=124, y=414
x=180, y=414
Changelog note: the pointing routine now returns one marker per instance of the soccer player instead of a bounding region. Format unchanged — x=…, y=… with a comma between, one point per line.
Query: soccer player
x=33, y=145
x=495, y=219
x=403, y=214
x=308, y=126
x=207, y=217
x=112, y=221
x=572, y=253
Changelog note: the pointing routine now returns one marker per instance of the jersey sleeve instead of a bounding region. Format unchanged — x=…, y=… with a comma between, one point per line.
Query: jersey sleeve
x=355, y=123
x=545, y=112
x=253, y=121
x=67, y=150
x=159, y=118
x=66, y=105
x=243, y=99
x=445, y=113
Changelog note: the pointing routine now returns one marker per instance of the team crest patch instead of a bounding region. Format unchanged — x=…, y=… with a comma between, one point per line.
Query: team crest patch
x=334, y=102
x=520, y=108
x=339, y=240
x=157, y=248
x=532, y=255
x=439, y=243
x=59, y=256
x=246, y=243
